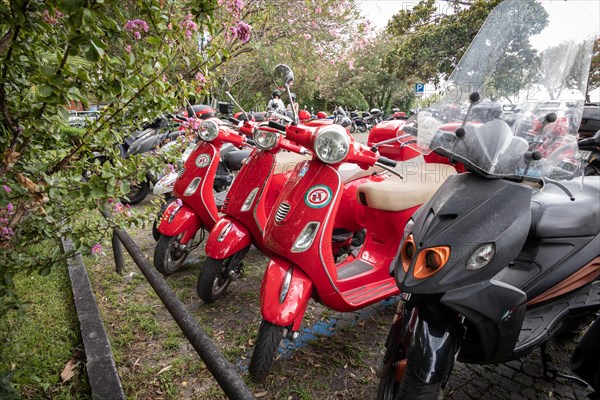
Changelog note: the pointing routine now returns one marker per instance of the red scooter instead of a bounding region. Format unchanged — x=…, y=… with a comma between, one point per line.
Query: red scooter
x=302, y=263
x=196, y=209
x=248, y=202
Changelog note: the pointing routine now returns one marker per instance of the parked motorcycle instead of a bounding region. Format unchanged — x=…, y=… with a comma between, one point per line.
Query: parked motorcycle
x=502, y=257
x=196, y=207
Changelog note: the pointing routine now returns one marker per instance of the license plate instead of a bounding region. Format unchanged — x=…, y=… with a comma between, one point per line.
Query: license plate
x=584, y=154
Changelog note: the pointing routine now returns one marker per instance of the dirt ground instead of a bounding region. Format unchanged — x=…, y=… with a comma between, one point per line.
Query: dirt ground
x=333, y=358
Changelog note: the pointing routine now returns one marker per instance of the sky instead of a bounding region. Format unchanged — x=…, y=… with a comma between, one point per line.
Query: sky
x=379, y=12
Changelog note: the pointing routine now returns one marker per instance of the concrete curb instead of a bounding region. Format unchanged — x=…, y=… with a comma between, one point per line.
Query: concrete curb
x=100, y=364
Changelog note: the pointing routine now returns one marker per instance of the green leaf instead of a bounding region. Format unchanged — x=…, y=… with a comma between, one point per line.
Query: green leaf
x=45, y=90
x=153, y=40
x=147, y=69
x=98, y=46
x=71, y=5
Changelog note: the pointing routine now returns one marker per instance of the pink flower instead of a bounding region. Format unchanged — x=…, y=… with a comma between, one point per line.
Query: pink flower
x=119, y=207
x=97, y=248
x=6, y=233
x=318, y=10
x=313, y=24
x=333, y=32
x=242, y=31
x=164, y=78
x=188, y=25
x=6, y=188
x=200, y=78
x=351, y=64
x=49, y=19
x=136, y=26
x=110, y=200
x=128, y=48
x=9, y=207
x=179, y=202
x=170, y=26
x=307, y=36
x=171, y=168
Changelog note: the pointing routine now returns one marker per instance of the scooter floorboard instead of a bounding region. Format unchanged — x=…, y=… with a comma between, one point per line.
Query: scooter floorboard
x=370, y=293
x=541, y=319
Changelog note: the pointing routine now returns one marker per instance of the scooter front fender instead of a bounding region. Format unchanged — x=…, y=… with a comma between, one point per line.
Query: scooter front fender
x=179, y=219
x=435, y=343
x=226, y=238
x=284, y=294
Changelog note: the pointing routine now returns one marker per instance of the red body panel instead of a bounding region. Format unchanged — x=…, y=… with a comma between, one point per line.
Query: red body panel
x=235, y=239
x=292, y=309
x=185, y=220
x=199, y=207
x=387, y=130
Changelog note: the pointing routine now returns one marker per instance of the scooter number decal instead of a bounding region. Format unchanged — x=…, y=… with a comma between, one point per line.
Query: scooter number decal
x=318, y=196
x=203, y=160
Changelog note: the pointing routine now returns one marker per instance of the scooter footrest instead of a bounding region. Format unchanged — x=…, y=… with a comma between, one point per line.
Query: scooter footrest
x=354, y=268
x=371, y=293
x=541, y=320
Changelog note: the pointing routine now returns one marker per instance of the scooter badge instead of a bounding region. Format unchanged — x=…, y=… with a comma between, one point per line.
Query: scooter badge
x=203, y=160
x=318, y=196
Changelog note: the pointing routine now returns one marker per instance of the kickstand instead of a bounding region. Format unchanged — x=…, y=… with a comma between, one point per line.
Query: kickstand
x=551, y=373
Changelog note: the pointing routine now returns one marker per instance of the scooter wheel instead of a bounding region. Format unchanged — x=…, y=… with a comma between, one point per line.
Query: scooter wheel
x=265, y=348
x=138, y=192
x=214, y=278
x=168, y=257
x=362, y=128
x=352, y=128
x=213, y=281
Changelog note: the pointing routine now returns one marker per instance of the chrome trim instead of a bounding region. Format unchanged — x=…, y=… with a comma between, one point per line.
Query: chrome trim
x=282, y=211
x=285, y=286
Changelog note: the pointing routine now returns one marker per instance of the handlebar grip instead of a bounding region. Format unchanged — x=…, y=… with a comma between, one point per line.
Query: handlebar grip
x=277, y=125
x=234, y=120
x=250, y=142
x=387, y=161
x=586, y=142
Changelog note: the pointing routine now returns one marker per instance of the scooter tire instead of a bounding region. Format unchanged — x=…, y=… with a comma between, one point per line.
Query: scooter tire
x=411, y=388
x=352, y=128
x=212, y=285
x=167, y=258
x=137, y=196
x=155, y=233
x=265, y=348
x=388, y=386
x=362, y=128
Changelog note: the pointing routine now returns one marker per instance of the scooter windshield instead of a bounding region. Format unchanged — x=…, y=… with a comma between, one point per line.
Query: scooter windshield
x=519, y=88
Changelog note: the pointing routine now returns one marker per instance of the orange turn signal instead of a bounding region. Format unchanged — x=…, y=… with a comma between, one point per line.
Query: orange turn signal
x=408, y=252
x=430, y=260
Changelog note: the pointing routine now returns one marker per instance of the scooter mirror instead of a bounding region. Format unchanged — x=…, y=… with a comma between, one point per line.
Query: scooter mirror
x=283, y=75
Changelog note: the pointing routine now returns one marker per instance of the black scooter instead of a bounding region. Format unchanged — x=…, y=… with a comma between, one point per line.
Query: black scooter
x=502, y=258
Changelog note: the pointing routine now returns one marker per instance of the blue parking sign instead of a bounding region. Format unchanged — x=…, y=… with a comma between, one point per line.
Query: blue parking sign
x=420, y=87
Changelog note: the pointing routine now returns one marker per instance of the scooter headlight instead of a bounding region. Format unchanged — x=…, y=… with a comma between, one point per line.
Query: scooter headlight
x=265, y=139
x=481, y=256
x=306, y=237
x=208, y=130
x=332, y=144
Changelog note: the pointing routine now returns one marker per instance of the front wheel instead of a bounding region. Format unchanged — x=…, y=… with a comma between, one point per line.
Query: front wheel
x=362, y=128
x=137, y=193
x=155, y=233
x=352, y=128
x=265, y=348
x=168, y=254
x=216, y=275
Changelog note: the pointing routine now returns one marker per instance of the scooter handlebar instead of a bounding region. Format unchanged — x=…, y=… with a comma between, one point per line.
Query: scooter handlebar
x=387, y=161
x=277, y=125
x=234, y=120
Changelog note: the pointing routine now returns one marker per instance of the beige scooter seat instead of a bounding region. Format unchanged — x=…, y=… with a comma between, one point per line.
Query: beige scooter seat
x=349, y=172
x=286, y=161
x=395, y=194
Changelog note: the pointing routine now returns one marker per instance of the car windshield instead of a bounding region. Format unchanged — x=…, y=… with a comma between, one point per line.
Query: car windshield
x=519, y=88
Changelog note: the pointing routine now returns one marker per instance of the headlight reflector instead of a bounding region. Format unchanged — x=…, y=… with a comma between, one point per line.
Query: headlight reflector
x=306, y=237
x=481, y=256
x=209, y=130
x=264, y=139
x=332, y=144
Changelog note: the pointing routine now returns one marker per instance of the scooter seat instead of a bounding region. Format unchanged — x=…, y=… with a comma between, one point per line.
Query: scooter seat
x=395, y=194
x=350, y=172
x=553, y=214
x=286, y=161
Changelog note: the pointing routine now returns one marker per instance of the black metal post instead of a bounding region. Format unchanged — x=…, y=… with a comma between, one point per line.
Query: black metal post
x=225, y=374
x=118, y=254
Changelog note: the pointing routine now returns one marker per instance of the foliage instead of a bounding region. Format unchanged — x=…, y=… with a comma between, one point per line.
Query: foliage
x=594, y=77
x=428, y=41
x=136, y=58
x=312, y=37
